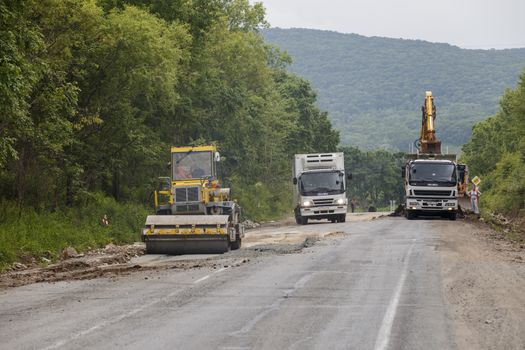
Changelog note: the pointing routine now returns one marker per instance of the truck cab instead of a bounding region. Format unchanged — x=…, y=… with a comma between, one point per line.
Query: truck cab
x=431, y=188
x=319, y=187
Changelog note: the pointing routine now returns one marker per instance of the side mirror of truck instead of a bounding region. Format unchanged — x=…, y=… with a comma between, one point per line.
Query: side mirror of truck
x=295, y=181
x=349, y=176
x=403, y=171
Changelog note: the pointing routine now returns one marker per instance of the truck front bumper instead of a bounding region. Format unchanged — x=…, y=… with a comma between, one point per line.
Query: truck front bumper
x=432, y=204
x=323, y=212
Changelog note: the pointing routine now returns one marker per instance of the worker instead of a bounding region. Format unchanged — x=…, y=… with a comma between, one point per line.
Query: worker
x=181, y=172
x=474, y=194
x=352, y=204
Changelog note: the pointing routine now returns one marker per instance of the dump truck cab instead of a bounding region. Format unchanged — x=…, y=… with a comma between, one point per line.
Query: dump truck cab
x=431, y=187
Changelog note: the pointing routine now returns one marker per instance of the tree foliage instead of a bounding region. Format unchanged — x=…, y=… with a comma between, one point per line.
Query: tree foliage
x=376, y=177
x=496, y=153
x=93, y=94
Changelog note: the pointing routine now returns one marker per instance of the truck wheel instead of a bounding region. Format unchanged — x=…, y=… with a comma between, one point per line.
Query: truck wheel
x=342, y=218
x=410, y=215
x=453, y=216
x=236, y=244
x=298, y=220
x=304, y=221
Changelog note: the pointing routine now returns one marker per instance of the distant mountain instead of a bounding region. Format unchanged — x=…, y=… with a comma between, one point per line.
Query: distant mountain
x=374, y=87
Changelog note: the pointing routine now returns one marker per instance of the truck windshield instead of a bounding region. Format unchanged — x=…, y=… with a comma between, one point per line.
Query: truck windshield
x=191, y=165
x=433, y=172
x=311, y=184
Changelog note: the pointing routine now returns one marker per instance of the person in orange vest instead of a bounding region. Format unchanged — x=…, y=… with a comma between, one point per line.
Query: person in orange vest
x=474, y=194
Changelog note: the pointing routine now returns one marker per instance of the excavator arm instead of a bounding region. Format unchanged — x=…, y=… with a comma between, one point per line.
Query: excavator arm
x=429, y=144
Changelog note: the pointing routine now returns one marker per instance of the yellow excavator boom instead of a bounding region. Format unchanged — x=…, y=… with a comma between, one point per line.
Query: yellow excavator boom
x=429, y=144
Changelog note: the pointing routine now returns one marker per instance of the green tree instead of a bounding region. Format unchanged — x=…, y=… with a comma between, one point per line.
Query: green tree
x=496, y=153
x=20, y=45
x=376, y=176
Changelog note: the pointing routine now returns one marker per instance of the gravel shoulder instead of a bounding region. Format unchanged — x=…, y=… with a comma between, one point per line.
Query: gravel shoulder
x=483, y=281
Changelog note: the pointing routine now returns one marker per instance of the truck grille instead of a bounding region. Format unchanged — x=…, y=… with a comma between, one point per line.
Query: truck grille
x=323, y=202
x=432, y=193
x=186, y=194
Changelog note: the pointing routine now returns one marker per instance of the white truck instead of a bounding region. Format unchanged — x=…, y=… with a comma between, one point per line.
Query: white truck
x=433, y=185
x=319, y=187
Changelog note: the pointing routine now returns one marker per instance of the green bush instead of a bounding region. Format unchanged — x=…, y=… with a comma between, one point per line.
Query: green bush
x=496, y=153
x=259, y=202
x=507, y=186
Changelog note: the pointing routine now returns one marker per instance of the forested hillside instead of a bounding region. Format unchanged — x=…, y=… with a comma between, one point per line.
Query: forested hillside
x=374, y=87
x=94, y=93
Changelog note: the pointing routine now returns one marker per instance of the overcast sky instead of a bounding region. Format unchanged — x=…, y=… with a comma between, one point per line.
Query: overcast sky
x=466, y=23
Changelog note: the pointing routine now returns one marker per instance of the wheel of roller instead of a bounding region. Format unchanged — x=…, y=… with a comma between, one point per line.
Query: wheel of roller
x=237, y=243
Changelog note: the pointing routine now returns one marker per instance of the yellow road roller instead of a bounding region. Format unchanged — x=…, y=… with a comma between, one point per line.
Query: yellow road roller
x=193, y=213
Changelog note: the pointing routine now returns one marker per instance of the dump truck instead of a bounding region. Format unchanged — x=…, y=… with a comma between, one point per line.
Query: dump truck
x=434, y=183
x=193, y=212
x=319, y=187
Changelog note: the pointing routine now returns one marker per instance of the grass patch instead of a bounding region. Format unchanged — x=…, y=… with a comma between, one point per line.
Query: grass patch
x=27, y=233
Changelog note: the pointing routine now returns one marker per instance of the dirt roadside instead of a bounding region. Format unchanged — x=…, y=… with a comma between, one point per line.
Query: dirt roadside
x=484, y=284
x=280, y=237
x=288, y=232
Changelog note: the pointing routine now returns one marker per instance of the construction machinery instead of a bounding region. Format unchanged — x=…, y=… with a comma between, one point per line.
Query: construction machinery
x=434, y=182
x=193, y=213
x=319, y=187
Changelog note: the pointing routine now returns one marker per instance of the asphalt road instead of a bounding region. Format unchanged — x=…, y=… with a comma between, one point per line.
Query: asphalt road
x=377, y=286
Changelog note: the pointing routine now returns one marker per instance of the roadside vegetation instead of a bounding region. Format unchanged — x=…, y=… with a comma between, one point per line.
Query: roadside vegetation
x=93, y=94
x=29, y=234
x=376, y=177
x=496, y=153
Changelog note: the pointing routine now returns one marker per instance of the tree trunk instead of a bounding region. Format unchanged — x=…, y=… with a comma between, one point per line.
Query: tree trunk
x=69, y=190
x=116, y=184
x=21, y=170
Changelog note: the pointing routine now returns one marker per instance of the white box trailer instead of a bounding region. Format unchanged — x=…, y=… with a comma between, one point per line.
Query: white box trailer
x=319, y=187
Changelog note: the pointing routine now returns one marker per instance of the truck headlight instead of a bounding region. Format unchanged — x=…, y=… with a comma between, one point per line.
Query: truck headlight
x=307, y=204
x=340, y=201
x=412, y=204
